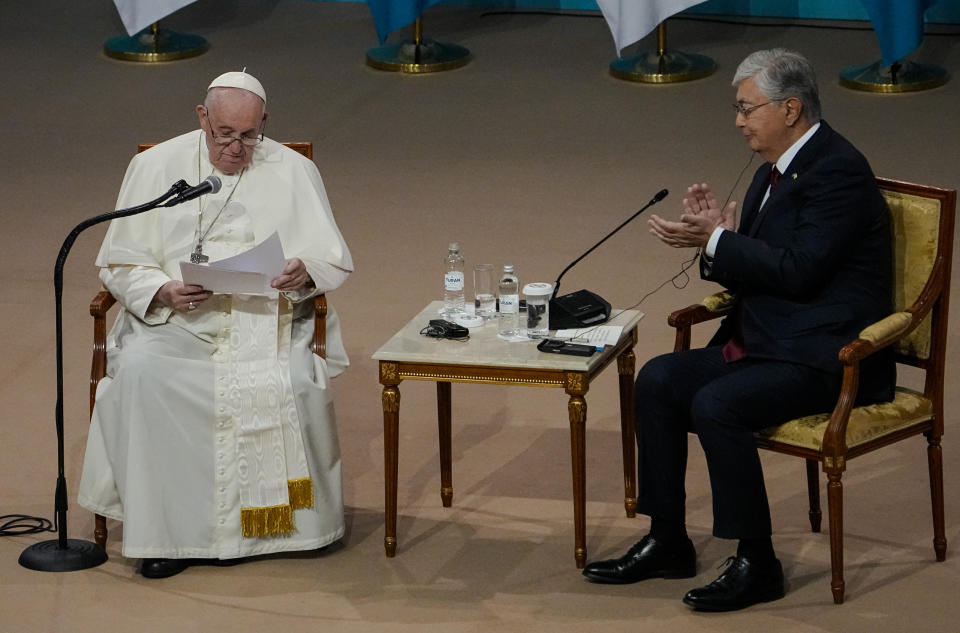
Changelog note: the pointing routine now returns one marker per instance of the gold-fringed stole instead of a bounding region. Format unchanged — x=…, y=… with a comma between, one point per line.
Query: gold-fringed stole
x=268, y=521
x=277, y=520
x=300, y=492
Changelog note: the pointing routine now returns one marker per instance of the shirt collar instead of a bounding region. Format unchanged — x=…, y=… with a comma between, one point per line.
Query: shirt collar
x=787, y=157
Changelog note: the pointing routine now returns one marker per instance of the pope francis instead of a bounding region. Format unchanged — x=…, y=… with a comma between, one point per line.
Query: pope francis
x=213, y=435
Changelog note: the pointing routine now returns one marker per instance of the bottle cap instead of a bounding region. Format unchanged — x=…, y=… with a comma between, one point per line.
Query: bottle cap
x=508, y=268
x=538, y=288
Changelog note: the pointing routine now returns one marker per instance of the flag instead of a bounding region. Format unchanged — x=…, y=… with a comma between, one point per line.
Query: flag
x=898, y=25
x=139, y=14
x=390, y=15
x=631, y=20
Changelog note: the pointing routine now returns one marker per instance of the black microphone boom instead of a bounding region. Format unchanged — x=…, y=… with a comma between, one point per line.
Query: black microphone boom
x=210, y=184
x=584, y=308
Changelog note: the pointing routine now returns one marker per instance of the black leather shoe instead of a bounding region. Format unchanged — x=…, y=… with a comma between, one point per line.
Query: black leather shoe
x=163, y=567
x=647, y=559
x=740, y=585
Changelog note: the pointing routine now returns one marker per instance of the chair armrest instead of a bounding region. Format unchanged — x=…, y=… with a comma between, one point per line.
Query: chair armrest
x=877, y=336
x=319, y=345
x=872, y=339
x=712, y=307
x=98, y=366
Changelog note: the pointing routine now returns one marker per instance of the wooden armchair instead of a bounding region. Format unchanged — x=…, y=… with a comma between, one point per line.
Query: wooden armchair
x=102, y=303
x=922, y=225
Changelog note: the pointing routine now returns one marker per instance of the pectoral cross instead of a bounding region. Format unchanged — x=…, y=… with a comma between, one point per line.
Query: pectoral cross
x=197, y=256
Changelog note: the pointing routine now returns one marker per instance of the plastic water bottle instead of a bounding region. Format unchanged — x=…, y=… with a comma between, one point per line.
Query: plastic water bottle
x=508, y=294
x=453, y=282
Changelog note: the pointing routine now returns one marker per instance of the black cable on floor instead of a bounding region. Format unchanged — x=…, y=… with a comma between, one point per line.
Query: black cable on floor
x=18, y=524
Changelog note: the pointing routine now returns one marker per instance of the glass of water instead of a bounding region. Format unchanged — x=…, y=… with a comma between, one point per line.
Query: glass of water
x=484, y=291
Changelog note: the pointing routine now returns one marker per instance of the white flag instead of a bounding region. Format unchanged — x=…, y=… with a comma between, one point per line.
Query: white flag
x=139, y=14
x=631, y=20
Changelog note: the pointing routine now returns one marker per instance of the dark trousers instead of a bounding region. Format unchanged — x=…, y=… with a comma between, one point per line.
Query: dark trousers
x=696, y=391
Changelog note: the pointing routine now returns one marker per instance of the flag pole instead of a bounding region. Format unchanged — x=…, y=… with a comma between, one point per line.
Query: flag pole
x=418, y=55
x=901, y=76
x=662, y=66
x=154, y=44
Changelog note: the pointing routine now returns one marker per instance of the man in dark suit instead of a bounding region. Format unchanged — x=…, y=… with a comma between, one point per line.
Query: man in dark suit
x=810, y=266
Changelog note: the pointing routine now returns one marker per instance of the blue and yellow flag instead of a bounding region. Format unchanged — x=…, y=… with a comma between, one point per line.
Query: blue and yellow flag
x=899, y=26
x=390, y=15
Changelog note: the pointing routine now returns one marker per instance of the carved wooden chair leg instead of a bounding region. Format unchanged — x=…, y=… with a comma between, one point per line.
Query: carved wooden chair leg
x=835, y=511
x=100, y=531
x=935, y=464
x=813, y=492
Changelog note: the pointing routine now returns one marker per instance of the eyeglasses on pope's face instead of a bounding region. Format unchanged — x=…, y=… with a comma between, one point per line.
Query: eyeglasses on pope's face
x=219, y=139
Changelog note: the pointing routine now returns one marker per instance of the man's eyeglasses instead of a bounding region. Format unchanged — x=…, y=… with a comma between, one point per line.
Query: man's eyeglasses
x=747, y=110
x=249, y=141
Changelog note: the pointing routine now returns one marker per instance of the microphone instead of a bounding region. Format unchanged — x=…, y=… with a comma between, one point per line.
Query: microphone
x=211, y=184
x=584, y=308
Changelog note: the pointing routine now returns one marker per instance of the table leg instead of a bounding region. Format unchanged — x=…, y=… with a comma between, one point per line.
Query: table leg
x=626, y=366
x=444, y=426
x=391, y=424
x=577, y=409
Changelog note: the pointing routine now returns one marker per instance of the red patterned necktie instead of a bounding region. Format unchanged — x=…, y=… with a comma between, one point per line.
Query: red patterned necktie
x=733, y=349
x=774, y=178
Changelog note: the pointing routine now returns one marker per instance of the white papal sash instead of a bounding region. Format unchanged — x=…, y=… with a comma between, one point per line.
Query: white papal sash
x=271, y=465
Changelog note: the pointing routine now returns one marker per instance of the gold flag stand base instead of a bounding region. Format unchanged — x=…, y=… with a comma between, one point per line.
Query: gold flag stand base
x=661, y=66
x=902, y=76
x=155, y=45
x=418, y=56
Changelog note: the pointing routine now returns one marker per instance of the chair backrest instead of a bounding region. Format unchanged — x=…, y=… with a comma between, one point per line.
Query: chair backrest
x=922, y=219
x=303, y=147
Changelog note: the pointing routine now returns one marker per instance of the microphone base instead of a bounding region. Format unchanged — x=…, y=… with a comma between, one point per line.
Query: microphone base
x=50, y=556
x=578, y=310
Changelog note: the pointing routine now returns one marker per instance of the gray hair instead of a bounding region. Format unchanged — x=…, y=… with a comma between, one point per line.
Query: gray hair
x=781, y=74
x=217, y=93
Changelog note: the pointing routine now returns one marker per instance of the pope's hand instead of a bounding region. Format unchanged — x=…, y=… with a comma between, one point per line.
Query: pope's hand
x=293, y=277
x=176, y=295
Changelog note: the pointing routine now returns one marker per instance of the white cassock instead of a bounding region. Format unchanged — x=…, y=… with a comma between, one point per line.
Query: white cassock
x=213, y=434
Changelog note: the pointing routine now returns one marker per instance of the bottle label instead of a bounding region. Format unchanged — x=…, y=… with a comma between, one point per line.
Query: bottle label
x=508, y=304
x=453, y=281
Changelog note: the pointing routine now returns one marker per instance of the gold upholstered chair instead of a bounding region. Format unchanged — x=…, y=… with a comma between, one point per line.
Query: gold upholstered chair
x=922, y=220
x=102, y=303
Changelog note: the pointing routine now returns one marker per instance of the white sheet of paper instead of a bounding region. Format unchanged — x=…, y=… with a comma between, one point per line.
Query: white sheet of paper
x=599, y=335
x=249, y=272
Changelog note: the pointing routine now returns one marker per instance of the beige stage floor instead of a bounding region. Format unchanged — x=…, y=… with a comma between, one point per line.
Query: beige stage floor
x=527, y=155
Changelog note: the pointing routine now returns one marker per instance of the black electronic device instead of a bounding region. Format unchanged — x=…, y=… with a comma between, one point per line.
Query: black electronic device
x=440, y=328
x=556, y=346
x=578, y=309
x=584, y=308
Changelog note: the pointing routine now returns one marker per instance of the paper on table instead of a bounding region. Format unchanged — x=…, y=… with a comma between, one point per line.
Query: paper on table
x=599, y=335
x=249, y=272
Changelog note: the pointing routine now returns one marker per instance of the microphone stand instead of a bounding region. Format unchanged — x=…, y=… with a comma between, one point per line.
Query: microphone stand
x=583, y=308
x=65, y=554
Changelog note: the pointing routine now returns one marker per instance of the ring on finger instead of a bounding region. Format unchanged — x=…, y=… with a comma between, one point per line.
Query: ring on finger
x=191, y=306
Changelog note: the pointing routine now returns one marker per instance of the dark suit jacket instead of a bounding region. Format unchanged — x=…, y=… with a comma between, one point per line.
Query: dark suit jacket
x=814, y=266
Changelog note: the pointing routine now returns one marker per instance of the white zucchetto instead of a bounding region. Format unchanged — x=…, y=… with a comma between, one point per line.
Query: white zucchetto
x=240, y=80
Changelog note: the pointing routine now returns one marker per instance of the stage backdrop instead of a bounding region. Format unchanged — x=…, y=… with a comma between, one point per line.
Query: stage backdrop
x=945, y=11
